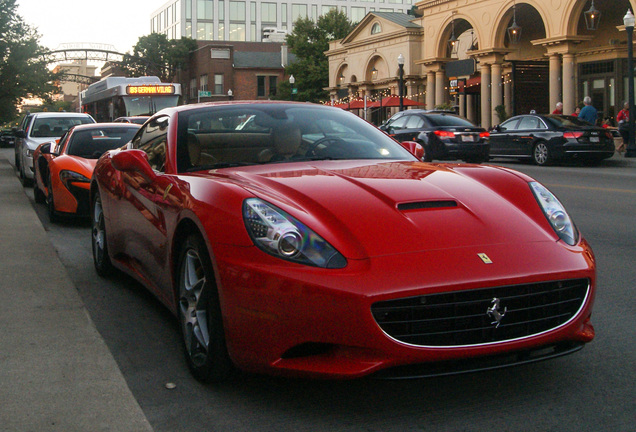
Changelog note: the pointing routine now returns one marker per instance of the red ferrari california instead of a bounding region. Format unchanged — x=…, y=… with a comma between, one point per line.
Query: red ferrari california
x=63, y=169
x=297, y=239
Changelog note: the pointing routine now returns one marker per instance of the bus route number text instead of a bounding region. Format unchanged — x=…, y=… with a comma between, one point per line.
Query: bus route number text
x=150, y=89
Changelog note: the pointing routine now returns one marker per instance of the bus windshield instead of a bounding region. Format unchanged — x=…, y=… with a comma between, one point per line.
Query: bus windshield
x=148, y=105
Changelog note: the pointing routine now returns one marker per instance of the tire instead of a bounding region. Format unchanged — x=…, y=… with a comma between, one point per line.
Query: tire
x=541, y=153
x=427, y=154
x=199, y=312
x=50, y=205
x=26, y=182
x=39, y=196
x=99, y=244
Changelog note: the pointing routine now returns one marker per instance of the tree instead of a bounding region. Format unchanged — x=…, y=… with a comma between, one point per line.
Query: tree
x=308, y=42
x=23, y=67
x=156, y=55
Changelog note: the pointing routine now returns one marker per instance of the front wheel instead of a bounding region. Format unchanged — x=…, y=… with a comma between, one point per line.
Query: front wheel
x=200, y=314
x=541, y=153
x=101, y=260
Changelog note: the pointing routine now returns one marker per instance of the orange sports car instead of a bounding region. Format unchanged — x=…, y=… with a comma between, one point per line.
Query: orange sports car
x=63, y=168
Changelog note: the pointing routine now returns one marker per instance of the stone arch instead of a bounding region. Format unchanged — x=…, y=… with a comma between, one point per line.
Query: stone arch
x=341, y=74
x=612, y=12
x=378, y=62
x=530, y=17
x=460, y=24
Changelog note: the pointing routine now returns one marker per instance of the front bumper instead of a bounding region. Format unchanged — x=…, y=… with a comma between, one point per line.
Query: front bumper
x=297, y=320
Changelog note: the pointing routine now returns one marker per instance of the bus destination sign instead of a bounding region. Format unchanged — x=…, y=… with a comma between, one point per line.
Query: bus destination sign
x=150, y=89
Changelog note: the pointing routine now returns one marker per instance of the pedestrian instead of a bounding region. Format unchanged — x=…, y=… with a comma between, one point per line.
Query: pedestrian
x=559, y=108
x=576, y=111
x=588, y=113
x=623, y=127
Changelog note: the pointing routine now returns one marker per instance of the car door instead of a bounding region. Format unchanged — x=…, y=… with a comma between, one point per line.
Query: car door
x=502, y=139
x=142, y=210
x=527, y=131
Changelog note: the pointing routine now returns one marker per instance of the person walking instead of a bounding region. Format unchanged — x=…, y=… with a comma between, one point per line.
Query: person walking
x=623, y=127
x=558, y=109
x=588, y=113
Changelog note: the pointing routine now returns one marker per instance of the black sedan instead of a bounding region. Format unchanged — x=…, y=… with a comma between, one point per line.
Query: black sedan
x=443, y=135
x=545, y=139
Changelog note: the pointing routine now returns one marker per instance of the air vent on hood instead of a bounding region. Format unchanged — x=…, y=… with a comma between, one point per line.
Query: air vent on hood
x=426, y=204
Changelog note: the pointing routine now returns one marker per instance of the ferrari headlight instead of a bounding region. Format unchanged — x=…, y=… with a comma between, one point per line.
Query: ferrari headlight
x=555, y=213
x=283, y=236
x=67, y=177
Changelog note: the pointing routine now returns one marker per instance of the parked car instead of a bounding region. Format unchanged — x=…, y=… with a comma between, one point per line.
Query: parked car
x=443, y=135
x=38, y=128
x=63, y=169
x=135, y=119
x=312, y=244
x=7, y=138
x=545, y=139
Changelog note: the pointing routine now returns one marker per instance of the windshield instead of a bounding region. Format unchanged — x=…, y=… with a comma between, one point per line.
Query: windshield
x=92, y=143
x=249, y=134
x=148, y=105
x=55, y=127
x=448, y=120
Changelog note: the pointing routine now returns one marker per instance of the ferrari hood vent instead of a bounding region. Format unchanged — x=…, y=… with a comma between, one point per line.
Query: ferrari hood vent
x=426, y=205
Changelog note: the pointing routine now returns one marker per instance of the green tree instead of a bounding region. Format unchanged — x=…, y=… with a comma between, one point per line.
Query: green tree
x=308, y=42
x=23, y=67
x=156, y=55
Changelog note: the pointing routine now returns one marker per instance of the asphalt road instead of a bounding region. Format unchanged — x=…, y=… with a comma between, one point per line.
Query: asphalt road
x=592, y=390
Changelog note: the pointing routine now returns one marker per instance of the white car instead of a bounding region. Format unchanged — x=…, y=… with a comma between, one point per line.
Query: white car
x=38, y=128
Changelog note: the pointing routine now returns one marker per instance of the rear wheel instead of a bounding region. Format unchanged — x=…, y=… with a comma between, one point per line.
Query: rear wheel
x=541, y=153
x=39, y=196
x=200, y=314
x=101, y=260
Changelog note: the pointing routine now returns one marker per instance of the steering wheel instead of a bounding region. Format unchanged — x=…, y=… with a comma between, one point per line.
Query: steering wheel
x=332, y=142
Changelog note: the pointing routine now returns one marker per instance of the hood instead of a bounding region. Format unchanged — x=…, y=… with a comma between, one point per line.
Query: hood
x=33, y=143
x=378, y=209
x=77, y=164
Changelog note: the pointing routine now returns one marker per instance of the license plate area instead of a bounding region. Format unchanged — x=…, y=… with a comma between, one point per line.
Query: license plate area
x=468, y=138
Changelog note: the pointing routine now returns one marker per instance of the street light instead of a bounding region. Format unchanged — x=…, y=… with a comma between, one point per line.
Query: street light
x=592, y=17
x=514, y=31
x=629, y=20
x=400, y=60
x=292, y=80
x=230, y=94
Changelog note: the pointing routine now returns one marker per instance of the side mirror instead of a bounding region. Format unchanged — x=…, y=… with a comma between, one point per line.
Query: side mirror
x=45, y=148
x=132, y=161
x=497, y=128
x=414, y=148
x=20, y=134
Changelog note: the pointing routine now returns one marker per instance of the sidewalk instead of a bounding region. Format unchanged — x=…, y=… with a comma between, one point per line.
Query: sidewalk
x=56, y=372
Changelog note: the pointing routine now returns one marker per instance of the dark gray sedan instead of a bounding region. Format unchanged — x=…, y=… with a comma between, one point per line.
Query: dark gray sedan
x=546, y=139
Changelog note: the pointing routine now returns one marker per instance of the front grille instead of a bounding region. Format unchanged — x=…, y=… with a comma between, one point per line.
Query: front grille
x=461, y=318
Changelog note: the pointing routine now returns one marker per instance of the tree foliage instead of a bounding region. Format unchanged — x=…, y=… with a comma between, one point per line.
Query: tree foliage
x=156, y=55
x=308, y=42
x=23, y=67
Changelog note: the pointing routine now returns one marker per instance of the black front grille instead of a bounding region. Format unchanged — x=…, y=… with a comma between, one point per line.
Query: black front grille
x=463, y=318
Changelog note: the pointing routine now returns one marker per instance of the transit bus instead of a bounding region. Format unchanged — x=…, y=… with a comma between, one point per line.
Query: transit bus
x=115, y=97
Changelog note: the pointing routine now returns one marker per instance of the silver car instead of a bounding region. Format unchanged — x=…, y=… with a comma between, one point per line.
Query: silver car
x=38, y=128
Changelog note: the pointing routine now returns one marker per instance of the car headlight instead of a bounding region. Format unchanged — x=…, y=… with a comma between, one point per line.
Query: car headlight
x=283, y=236
x=67, y=177
x=555, y=213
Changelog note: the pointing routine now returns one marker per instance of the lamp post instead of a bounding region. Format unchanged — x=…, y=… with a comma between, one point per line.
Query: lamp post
x=292, y=80
x=629, y=20
x=230, y=94
x=400, y=60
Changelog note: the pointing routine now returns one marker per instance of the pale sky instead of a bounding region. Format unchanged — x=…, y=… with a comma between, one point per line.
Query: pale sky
x=112, y=22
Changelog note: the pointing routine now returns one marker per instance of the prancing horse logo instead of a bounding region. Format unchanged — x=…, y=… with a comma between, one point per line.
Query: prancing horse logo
x=495, y=313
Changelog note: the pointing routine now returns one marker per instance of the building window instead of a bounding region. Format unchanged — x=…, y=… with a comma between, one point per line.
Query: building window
x=327, y=8
x=260, y=81
x=220, y=53
x=237, y=11
x=203, y=82
x=218, y=84
x=188, y=28
x=205, y=9
x=193, y=88
x=188, y=5
x=376, y=28
x=273, y=81
x=357, y=13
x=299, y=11
x=204, y=31
x=237, y=32
x=268, y=12
x=221, y=10
x=221, y=35
x=283, y=14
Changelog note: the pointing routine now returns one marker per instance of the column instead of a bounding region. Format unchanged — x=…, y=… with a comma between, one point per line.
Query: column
x=485, y=96
x=569, y=86
x=439, y=87
x=496, y=91
x=555, y=82
x=430, y=90
x=508, y=96
x=470, y=108
x=462, y=104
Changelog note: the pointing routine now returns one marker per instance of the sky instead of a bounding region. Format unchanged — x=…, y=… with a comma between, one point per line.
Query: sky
x=111, y=22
